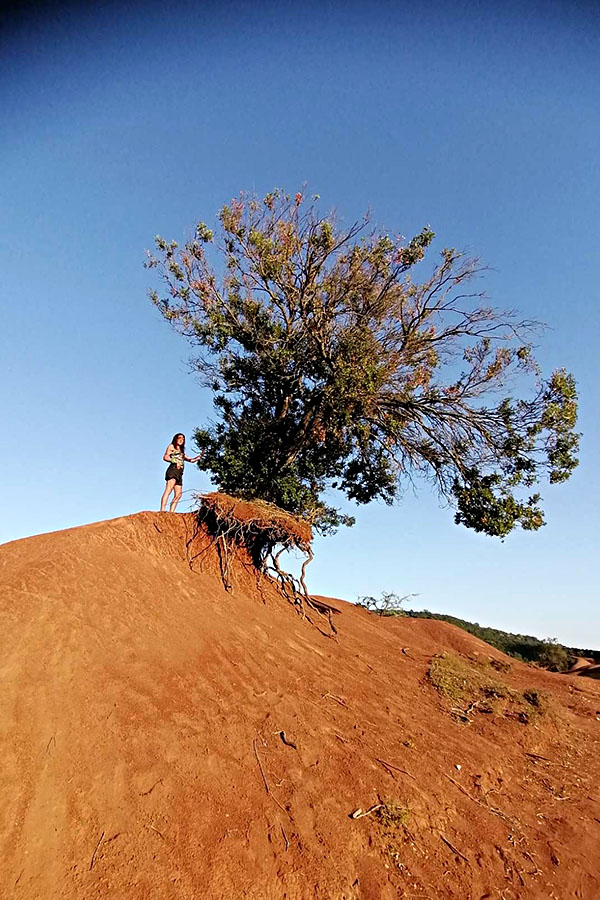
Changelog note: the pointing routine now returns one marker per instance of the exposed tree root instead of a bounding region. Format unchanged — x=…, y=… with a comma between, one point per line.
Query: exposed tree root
x=256, y=533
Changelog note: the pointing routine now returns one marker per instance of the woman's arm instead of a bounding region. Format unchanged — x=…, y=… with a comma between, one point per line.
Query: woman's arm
x=168, y=451
x=193, y=458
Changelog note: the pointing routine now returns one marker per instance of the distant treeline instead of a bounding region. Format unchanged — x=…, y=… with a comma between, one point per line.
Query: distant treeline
x=522, y=646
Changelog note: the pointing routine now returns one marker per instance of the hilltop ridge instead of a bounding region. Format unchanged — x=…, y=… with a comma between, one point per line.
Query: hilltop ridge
x=162, y=737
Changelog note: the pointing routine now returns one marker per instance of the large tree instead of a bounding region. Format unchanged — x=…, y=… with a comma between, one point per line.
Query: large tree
x=333, y=367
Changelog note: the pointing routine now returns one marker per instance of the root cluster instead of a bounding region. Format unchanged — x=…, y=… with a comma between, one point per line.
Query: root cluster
x=258, y=533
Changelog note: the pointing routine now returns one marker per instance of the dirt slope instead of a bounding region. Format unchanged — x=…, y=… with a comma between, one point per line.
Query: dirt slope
x=584, y=666
x=148, y=722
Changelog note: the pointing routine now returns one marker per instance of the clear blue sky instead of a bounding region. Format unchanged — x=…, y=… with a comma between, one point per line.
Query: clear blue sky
x=124, y=122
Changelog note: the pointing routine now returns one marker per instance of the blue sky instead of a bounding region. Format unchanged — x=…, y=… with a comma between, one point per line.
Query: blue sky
x=124, y=122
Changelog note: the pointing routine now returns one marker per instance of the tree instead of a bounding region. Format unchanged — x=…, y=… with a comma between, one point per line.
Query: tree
x=331, y=367
x=554, y=656
x=389, y=604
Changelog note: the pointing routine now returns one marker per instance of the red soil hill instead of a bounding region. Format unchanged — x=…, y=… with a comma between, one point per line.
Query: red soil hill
x=162, y=738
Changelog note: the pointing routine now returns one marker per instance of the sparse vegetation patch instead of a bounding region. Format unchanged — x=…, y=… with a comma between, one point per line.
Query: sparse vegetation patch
x=391, y=815
x=537, y=700
x=548, y=653
x=392, y=820
x=473, y=687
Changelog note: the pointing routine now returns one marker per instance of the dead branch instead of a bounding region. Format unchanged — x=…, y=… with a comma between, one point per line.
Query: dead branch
x=359, y=814
x=339, y=700
x=285, y=740
x=149, y=791
x=535, y=756
x=389, y=766
x=492, y=809
x=262, y=771
x=93, y=859
x=264, y=778
x=454, y=850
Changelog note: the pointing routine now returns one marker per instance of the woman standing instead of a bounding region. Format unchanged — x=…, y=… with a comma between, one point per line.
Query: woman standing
x=175, y=456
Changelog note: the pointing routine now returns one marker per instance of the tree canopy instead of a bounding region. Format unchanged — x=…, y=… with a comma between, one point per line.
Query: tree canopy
x=332, y=366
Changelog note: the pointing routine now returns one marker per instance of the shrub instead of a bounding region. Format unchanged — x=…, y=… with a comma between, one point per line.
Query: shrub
x=389, y=604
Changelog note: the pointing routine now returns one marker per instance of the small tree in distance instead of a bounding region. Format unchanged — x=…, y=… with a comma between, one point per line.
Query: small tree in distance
x=389, y=604
x=333, y=367
x=554, y=656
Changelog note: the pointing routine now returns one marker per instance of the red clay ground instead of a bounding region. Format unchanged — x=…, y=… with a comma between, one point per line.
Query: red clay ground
x=143, y=716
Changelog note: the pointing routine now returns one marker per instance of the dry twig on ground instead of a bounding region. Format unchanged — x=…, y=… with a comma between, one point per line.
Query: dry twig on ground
x=264, y=777
x=454, y=850
x=390, y=767
x=93, y=859
x=359, y=813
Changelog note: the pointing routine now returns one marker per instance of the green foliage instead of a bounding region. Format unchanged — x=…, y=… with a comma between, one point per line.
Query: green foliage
x=546, y=653
x=485, y=503
x=554, y=656
x=331, y=367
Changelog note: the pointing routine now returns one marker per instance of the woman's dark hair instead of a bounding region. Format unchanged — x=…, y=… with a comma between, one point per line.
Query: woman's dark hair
x=174, y=441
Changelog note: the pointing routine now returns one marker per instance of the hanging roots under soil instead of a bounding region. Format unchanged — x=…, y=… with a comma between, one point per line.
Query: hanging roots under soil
x=264, y=532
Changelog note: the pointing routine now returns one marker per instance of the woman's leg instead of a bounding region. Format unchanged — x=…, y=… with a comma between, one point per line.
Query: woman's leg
x=176, y=498
x=165, y=497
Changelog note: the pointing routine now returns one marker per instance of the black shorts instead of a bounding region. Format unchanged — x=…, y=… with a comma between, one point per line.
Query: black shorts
x=175, y=473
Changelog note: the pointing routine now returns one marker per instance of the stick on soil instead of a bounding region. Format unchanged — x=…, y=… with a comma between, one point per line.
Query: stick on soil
x=149, y=791
x=264, y=778
x=262, y=771
x=339, y=700
x=492, y=809
x=93, y=859
x=387, y=765
x=359, y=814
x=454, y=850
x=286, y=741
